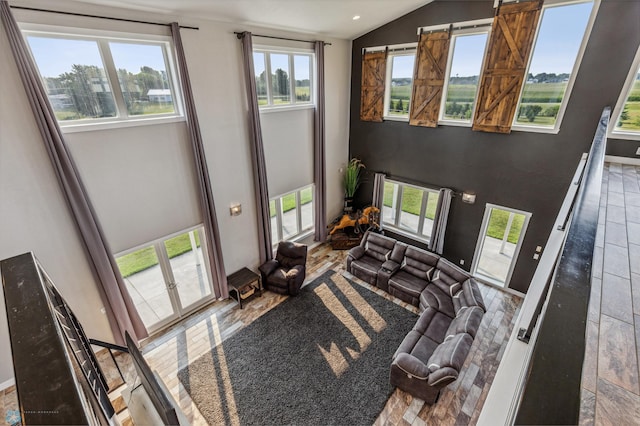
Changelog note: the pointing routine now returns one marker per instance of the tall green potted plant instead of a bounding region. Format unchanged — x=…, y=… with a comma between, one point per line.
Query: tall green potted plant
x=351, y=182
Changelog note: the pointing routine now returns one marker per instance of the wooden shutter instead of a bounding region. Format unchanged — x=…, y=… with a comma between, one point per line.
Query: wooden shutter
x=374, y=66
x=512, y=35
x=428, y=78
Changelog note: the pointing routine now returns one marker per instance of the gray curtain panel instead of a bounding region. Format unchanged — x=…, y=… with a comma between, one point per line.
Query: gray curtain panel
x=121, y=311
x=319, y=160
x=207, y=207
x=378, y=190
x=436, y=243
x=257, y=151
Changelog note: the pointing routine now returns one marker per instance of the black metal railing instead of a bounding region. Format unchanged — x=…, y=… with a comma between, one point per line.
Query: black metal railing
x=111, y=347
x=551, y=392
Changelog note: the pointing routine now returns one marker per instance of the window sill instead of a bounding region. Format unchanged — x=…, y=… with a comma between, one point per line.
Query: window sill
x=534, y=129
x=106, y=125
x=284, y=108
x=395, y=118
x=454, y=123
x=421, y=238
x=616, y=134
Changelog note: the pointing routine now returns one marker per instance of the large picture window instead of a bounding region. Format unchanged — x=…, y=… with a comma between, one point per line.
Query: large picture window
x=283, y=78
x=105, y=78
x=561, y=35
x=464, y=66
x=627, y=111
x=399, y=80
x=291, y=215
x=409, y=209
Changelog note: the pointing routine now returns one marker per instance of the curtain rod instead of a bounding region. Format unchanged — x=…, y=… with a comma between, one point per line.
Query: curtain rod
x=238, y=34
x=99, y=17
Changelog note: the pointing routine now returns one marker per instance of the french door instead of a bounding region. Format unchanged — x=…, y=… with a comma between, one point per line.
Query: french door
x=167, y=278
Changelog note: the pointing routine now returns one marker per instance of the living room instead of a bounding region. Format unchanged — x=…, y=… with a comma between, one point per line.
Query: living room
x=136, y=175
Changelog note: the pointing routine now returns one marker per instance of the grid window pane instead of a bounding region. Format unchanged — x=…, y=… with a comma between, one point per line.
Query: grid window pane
x=280, y=78
x=306, y=207
x=187, y=264
x=430, y=213
x=389, y=202
x=74, y=76
x=289, y=216
x=143, y=78
x=466, y=64
x=400, y=85
x=629, y=118
x=554, y=55
x=261, y=77
x=410, y=210
x=302, y=69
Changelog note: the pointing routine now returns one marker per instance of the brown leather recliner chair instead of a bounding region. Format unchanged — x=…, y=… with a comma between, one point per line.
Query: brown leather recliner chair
x=285, y=274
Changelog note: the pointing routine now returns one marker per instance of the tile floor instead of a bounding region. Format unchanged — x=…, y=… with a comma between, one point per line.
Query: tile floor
x=610, y=378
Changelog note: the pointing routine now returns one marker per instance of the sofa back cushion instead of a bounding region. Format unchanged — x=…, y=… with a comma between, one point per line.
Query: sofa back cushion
x=467, y=321
x=378, y=246
x=448, y=277
x=290, y=254
x=419, y=263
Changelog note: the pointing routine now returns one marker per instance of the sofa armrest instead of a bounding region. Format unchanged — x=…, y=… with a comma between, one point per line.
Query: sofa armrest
x=268, y=267
x=390, y=266
x=356, y=252
x=442, y=377
x=295, y=277
x=412, y=366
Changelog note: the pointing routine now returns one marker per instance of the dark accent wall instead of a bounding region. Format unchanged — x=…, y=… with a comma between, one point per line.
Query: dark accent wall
x=522, y=170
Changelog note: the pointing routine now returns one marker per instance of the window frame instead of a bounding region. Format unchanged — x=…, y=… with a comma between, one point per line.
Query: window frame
x=102, y=39
x=481, y=26
x=574, y=71
x=395, y=226
x=622, y=100
x=406, y=49
x=277, y=234
x=291, y=52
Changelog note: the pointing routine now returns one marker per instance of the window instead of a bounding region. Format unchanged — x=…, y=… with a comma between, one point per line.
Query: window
x=561, y=36
x=499, y=243
x=627, y=111
x=466, y=53
x=399, y=83
x=409, y=209
x=102, y=79
x=283, y=78
x=167, y=278
x=291, y=215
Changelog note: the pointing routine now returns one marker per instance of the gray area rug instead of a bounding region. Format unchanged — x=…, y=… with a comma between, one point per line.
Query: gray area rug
x=320, y=358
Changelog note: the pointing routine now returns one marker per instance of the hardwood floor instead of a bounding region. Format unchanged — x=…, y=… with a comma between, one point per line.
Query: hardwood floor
x=460, y=403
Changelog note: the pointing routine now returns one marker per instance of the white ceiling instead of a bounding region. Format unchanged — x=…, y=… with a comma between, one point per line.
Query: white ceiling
x=333, y=18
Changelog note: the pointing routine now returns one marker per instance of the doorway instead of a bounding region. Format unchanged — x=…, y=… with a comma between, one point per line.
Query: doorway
x=168, y=278
x=501, y=236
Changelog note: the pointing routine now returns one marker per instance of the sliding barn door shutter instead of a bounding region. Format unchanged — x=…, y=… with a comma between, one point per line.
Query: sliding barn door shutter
x=512, y=35
x=374, y=66
x=428, y=78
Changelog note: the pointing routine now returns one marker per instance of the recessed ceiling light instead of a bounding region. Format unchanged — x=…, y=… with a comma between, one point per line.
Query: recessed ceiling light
x=356, y=17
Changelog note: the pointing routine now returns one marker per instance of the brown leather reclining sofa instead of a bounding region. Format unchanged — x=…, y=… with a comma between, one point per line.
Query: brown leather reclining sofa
x=432, y=354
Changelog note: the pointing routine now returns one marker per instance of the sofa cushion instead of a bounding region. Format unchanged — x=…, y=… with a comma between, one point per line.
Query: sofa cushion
x=366, y=264
x=378, y=246
x=447, y=360
x=467, y=321
x=408, y=283
x=433, y=324
x=434, y=297
x=448, y=277
x=290, y=254
x=419, y=263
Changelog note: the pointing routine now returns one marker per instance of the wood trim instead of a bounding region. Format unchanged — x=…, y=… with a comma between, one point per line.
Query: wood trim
x=510, y=46
x=428, y=78
x=374, y=66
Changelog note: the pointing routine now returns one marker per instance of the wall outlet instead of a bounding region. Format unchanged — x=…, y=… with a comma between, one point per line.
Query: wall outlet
x=462, y=261
x=638, y=151
x=538, y=249
x=536, y=256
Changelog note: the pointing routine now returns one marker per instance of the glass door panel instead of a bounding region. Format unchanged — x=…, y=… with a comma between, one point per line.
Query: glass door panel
x=411, y=205
x=499, y=242
x=145, y=282
x=188, y=270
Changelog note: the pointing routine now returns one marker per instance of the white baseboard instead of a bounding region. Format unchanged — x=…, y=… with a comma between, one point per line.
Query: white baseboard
x=622, y=160
x=8, y=383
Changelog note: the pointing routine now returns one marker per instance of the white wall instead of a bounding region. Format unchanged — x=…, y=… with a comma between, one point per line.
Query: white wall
x=140, y=178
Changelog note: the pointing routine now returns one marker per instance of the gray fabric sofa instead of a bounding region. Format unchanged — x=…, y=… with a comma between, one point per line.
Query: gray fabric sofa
x=431, y=356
